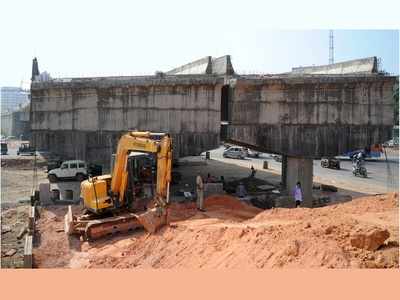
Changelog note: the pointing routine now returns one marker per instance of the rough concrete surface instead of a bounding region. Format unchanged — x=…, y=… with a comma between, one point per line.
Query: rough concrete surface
x=357, y=66
x=295, y=114
x=312, y=117
x=85, y=122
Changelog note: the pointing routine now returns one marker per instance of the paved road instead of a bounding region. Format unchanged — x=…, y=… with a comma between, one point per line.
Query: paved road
x=382, y=176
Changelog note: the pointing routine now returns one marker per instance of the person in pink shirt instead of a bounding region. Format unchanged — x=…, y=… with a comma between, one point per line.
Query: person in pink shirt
x=298, y=194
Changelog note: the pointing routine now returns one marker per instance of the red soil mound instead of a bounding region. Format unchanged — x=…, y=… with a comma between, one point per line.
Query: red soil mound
x=230, y=234
x=229, y=202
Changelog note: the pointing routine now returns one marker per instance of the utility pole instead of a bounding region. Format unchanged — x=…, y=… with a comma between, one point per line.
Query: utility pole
x=331, y=60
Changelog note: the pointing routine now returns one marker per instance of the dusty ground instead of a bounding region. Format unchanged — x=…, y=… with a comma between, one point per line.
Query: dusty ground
x=378, y=180
x=17, y=178
x=13, y=220
x=16, y=189
x=231, y=234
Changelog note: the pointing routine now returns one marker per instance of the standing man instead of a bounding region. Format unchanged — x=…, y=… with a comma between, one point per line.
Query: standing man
x=253, y=172
x=200, y=192
x=298, y=194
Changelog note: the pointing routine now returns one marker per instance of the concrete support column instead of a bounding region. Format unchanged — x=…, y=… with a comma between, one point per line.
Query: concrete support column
x=300, y=169
x=284, y=172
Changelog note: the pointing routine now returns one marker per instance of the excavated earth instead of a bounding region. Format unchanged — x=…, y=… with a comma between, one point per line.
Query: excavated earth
x=363, y=233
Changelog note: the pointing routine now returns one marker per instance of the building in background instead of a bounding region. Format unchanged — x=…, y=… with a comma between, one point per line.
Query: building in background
x=16, y=123
x=13, y=98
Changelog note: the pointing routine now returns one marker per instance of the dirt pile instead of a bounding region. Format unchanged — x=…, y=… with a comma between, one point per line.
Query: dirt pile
x=371, y=239
x=217, y=206
x=229, y=202
x=232, y=234
x=53, y=249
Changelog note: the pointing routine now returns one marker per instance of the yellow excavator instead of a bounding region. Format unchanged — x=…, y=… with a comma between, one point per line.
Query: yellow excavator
x=127, y=200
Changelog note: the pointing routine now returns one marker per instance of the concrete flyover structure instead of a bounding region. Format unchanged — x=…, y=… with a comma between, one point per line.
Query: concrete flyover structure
x=304, y=114
x=206, y=65
x=367, y=65
x=303, y=117
x=311, y=116
x=84, y=117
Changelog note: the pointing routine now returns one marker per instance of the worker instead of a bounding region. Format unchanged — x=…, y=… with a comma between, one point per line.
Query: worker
x=241, y=190
x=200, y=192
x=298, y=194
x=222, y=179
x=253, y=172
x=209, y=179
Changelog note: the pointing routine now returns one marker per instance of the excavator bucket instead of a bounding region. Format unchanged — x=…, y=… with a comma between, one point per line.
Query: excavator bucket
x=153, y=219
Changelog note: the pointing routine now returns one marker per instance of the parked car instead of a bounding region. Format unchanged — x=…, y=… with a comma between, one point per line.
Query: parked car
x=4, y=148
x=92, y=169
x=235, y=152
x=53, y=164
x=391, y=143
x=70, y=169
x=330, y=162
x=25, y=149
x=277, y=158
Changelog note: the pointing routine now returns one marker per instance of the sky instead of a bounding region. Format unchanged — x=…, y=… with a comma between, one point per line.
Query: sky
x=99, y=38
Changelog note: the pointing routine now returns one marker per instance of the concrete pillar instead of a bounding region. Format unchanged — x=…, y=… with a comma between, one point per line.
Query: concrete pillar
x=300, y=169
x=284, y=172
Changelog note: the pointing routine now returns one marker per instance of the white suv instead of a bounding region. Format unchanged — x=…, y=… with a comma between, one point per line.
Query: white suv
x=71, y=169
x=235, y=152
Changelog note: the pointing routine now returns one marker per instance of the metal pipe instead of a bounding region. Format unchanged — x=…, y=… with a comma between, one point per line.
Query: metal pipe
x=95, y=195
x=168, y=192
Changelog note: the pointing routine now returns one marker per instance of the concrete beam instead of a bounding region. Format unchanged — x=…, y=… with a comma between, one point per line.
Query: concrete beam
x=358, y=66
x=32, y=220
x=207, y=65
x=311, y=117
x=200, y=66
x=124, y=81
x=222, y=65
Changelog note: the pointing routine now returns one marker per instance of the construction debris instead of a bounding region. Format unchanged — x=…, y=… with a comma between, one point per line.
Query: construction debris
x=328, y=188
x=22, y=232
x=10, y=252
x=14, y=221
x=5, y=229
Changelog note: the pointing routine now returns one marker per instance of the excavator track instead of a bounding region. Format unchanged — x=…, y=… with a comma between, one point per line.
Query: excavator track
x=93, y=229
x=96, y=229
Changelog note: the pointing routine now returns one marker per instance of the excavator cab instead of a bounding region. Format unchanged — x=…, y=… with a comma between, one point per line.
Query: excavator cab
x=141, y=183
